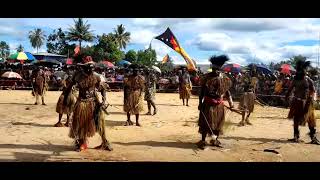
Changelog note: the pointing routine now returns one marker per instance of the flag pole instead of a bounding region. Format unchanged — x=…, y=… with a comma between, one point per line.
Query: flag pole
x=151, y=42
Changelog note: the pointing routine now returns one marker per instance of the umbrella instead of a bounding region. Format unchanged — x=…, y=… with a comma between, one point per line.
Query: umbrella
x=261, y=68
x=10, y=74
x=22, y=56
x=108, y=64
x=286, y=69
x=124, y=62
x=102, y=78
x=157, y=69
x=69, y=61
x=233, y=67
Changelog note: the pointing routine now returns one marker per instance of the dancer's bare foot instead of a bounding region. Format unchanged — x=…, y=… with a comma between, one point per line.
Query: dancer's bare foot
x=104, y=146
x=201, y=144
x=83, y=147
x=315, y=141
x=295, y=140
x=241, y=123
x=128, y=123
x=215, y=142
x=58, y=124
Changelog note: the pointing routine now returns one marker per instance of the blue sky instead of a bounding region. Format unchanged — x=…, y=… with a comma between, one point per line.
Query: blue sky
x=244, y=40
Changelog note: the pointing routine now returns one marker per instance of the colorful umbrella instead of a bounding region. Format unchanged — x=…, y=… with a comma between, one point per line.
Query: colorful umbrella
x=124, y=62
x=11, y=74
x=105, y=64
x=287, y=69
x=261, y=68
x=22, y=56
x=108, y=64
x=235, y=68
x=69, y=61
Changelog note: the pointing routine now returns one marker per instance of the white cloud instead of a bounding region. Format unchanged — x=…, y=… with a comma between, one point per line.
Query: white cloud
x=141, y=36
x=178, y=59
x=289, y=51
x=13, y=47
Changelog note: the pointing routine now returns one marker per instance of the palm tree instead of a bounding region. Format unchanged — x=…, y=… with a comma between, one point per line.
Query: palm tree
x=4, y=50
x=20, y=48
x=80, y=32
x=37, y=38
x=121, y=36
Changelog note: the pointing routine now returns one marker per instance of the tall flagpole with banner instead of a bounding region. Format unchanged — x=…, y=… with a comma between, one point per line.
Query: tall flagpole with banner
x=170, y=40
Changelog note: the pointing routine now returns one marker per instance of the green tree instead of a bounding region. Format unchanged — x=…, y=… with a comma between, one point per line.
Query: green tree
x=107, y=48
x=57, y=43
x=147, y=57
x=122, y=37
x=20, y=48
x=37, y=38
x=131, y=56
x=80, y=32
x=4, y=50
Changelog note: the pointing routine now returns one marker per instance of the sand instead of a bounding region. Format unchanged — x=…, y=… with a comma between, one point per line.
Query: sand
x=27, y=134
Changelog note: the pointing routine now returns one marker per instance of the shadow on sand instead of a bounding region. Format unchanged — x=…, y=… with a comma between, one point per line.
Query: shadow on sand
x=24, y=104
x=24, y=156
x=262, y=140
x=270, y=117
x=183, y=145
x=31, y=124
x=113, y=123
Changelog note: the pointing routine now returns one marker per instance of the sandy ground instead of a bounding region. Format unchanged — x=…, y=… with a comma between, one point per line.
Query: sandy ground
x=27, y=134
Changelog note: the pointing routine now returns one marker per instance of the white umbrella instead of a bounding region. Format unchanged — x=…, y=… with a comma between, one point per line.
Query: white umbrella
x=157, y=69
x=11, y=75
x=102, y=78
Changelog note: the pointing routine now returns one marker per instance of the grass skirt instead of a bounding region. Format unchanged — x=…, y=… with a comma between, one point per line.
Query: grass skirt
x=67, y=109
x=83, y=123
x=215, y=115
x=134, y=102
x=247, y=101
x=185, y=91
